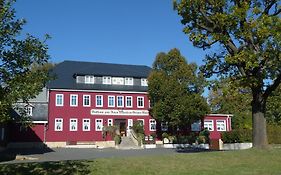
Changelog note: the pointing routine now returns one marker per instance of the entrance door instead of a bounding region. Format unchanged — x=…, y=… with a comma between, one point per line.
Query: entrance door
x=121, y=124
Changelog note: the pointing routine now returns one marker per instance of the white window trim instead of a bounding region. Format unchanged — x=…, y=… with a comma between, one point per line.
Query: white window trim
x=57, y=99
x=122, y=101
x=101, y=101
x=58, y=122
x=83, y=124
x=88, y=80
x=73, y=95
x=128, y=82
x=96, y=129
x=130, y=123
x=131, y=102
x=224, y=122
x=150, y=124
x=113, y=101
x=76, y=124
x=144, y=82
x=89, y=100
x=212, y=124
x=105, y=78
x=29, y=110
x=110, y=121
x=166, y=128
x=138, y=102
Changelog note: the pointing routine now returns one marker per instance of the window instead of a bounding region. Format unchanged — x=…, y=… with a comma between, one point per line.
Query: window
x=130, y=123
x=209, y=124
x=129, y=81
x=73, y=125
x=86, y=124
x=28, y=110
x=89, y=79
x=86, y=100
x=164, y=126
x=152, y=125
x=129, y=101
x=73, y=100
x=106, y=80
x=111, y=101
x=144, y=82
x=196, y=126
x=58, y=124
x=118, y=80
x=221, y=126
x=140, y=102
x=99, y=101
x=99, y=124
x=120, y=101
x=59, y=99
x=110, y=122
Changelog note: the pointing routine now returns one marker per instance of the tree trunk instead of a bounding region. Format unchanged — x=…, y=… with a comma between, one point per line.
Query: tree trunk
x=259, y=121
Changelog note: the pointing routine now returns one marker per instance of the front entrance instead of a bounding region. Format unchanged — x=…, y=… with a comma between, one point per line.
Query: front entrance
x=121, y=125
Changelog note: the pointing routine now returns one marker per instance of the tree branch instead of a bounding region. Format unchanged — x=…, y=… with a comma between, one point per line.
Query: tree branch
x=272, y=87
x=268, y=7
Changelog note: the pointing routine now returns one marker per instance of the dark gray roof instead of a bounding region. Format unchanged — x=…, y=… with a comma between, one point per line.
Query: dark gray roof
x=66, y=72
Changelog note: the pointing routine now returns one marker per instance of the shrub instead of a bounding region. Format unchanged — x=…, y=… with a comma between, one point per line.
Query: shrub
x=206, y=134
x=138, y=127
x=117, y=139
x=273, y=134
x=165, y=135
x=237, y=136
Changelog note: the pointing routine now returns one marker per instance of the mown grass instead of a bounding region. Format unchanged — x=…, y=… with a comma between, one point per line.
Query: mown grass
x=246, y=162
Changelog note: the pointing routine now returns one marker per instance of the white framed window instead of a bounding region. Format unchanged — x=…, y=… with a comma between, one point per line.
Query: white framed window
x=58, y=124
x=73, y=100
x=106, y=80
x=29, y=110
x=130, y=123
x=129, y=81
x=144, y=82
x=120, y=101
x=196, y=126
x=59, y=99
x=99, y=124
x=164, y=126
x=111, y=101
x=140, y=102
x=89, y=79
x=209, y=124
x=86, y=100
x=99, y=101
x=73, y=124
x=86, y=124
x=118, y=80
x=152, y=125
x=129, y=101
x=221, y=125
x=110, y=122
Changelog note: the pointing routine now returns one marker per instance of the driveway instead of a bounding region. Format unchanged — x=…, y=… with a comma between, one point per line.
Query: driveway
x=57, y=154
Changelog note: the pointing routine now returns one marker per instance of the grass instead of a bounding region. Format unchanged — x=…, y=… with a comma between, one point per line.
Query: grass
x=246, y=162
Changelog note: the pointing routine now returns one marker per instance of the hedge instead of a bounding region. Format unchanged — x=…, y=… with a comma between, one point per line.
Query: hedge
x=274, y=134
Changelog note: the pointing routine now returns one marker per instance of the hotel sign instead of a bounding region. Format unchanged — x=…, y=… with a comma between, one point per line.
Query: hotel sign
x=119, y=112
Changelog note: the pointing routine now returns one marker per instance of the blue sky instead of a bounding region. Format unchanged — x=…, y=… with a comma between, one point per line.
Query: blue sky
x=124, y=31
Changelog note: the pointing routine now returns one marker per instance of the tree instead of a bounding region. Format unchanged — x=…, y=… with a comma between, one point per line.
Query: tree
x=227, y=98
x=23, y=73
x=175, y=89
x=248, y=35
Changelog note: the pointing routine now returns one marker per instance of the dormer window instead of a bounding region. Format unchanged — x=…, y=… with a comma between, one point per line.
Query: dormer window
x=89, y=79
x=106, y=80
x=28, y=110
x=144, y=82
x=118, y=80
x=129, y=81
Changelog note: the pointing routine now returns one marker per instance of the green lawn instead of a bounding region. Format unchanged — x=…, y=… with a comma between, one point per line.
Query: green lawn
x=246, y=162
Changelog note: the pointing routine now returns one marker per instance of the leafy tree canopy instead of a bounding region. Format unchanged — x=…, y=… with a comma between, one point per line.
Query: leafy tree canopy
x=248, y=35
x=22, y=74
x=175, y=89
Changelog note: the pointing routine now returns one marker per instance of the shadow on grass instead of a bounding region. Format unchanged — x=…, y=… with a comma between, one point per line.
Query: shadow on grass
x=193, y=150
x=10, y=154
x=46, y=168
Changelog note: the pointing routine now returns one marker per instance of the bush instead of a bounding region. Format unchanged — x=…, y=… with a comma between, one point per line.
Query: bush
x=138, y=128
x=204, y=136
x=117, y=139
x=165, y=135
x=237, y=136
x=273, y=134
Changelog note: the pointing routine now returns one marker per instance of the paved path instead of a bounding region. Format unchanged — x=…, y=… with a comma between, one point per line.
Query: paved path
x=58, y=154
